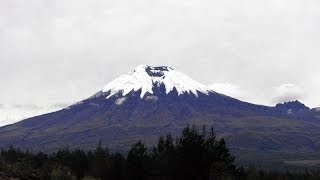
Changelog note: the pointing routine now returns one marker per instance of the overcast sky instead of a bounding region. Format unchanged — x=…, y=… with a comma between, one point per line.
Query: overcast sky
x=64, y=51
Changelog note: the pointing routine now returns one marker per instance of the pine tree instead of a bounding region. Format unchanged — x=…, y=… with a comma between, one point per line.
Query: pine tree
x=100, y=162
x=136, y=162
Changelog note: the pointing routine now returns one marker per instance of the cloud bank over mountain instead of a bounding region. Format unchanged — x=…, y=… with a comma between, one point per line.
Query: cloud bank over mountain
x=13, y=113
x=62, y=51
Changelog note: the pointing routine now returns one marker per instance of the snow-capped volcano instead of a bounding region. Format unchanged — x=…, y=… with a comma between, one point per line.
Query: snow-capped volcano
x=152, y=101
x=145, y=78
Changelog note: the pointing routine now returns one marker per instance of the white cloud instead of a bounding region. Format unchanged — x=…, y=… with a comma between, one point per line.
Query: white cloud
x=14, y=113
x=288, y=92
x=234, y=91
x=227, y=89
x=267, y=96
x=53, y=50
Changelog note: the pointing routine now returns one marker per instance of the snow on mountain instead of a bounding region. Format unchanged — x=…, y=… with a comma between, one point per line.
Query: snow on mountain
x=10, y=114
x=145, y=77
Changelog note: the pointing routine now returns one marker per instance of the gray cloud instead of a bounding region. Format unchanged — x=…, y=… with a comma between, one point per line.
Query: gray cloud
x=63, y=51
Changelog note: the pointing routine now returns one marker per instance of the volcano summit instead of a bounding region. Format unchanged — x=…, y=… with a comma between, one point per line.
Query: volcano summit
x=148, y=79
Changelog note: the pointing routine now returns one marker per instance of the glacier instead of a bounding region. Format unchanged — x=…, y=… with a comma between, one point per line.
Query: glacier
x=145, y=77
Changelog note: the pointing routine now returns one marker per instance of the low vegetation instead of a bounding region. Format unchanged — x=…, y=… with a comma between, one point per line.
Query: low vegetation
x=194, y=155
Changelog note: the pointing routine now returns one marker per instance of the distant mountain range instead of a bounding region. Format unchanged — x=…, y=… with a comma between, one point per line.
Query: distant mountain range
x=152, y=101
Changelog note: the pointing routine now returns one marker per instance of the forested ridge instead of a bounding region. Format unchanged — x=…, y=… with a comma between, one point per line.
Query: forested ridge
x=194, y=155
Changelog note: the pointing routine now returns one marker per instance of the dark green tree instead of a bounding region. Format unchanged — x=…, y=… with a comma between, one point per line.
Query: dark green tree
x=100, y=163
x=136, y=162
x=164, y=158
x=79, y=163
x=190, y=153
x=117, y=168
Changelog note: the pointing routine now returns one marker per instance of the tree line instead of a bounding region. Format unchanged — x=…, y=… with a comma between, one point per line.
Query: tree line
x=194, y=155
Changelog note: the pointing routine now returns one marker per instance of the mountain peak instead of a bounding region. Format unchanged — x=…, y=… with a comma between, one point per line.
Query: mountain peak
x=145, y=78
x=157, y=71
x=153, y=71
x=293, y=105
